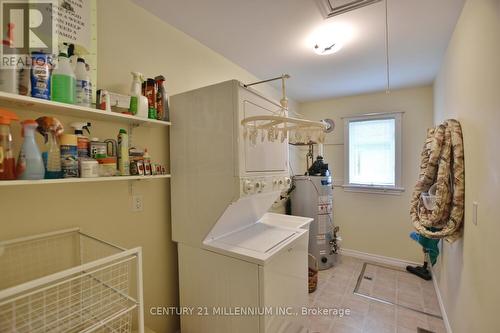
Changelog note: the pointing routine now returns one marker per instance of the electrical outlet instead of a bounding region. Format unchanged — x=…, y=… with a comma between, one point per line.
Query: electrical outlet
x=137, y=203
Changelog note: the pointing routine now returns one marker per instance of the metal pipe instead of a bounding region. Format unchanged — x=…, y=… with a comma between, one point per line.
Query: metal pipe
x=284, y=76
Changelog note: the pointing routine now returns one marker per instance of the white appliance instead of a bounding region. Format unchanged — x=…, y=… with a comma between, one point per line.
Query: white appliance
x=241, y=269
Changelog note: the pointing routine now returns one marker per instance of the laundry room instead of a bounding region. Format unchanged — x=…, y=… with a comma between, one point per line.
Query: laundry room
x=286, y=166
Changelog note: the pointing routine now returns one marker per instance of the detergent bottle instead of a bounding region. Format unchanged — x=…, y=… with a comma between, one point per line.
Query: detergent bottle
x=7, y=160
x=138, y=102
x=30, y=162
x=83, y=141
x=63, y=85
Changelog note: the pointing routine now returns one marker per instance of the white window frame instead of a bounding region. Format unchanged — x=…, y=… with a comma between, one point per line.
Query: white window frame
x=397, y=188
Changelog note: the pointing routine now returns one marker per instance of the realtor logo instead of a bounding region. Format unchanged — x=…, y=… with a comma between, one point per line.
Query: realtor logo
x=26, y=26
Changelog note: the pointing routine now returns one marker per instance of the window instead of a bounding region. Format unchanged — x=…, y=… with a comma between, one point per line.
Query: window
x=373, y=153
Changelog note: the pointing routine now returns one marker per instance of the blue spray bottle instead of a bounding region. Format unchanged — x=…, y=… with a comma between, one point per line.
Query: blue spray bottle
x=30, y=163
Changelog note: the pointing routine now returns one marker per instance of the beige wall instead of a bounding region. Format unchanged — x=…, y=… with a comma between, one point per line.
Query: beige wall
x=129, y=38
x=375, y=223
x=467, y=88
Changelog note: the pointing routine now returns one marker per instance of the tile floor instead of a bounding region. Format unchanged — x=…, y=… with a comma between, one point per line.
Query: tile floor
x=335, y=290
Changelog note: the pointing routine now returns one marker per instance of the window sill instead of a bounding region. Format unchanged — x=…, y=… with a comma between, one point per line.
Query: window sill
x=373, y=189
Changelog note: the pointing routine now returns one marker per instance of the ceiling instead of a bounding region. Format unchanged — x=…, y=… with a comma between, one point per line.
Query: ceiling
x=269, y=37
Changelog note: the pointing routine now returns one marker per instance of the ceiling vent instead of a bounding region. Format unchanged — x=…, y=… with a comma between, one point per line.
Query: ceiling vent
x=330, y=8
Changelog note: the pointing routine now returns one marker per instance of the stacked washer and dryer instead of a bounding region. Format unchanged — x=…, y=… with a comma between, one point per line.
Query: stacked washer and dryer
x=234, y=256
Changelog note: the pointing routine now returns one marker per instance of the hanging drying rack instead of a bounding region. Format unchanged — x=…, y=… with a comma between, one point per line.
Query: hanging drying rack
x=281, y=126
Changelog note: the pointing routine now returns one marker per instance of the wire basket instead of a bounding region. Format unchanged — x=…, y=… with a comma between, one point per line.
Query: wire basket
x=68, y=281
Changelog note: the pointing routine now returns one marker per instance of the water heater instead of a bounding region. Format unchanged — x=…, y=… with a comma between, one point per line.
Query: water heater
x=313, y=197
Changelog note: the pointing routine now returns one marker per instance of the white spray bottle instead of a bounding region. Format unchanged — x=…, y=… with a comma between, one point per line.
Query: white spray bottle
x=138, y=102
x=83, y=141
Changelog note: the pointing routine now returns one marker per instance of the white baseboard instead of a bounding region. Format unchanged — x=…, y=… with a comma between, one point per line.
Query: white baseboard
x=377, y=258
x=441, y=304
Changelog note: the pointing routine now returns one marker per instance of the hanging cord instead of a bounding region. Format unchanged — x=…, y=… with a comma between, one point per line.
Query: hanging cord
x=388, y=86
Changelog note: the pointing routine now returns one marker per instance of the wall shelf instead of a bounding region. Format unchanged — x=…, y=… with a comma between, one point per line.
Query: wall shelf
x=78, y=180
x=14, y=101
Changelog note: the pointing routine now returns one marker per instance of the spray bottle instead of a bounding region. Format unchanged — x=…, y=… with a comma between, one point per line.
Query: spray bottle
x=51, y=128
x=138, y=102
x=30, y=163
x=162, y=107
x=83, y=141
x=63, y=85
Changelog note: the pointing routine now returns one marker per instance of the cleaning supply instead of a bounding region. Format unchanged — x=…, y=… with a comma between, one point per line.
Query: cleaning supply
x=50, y=128
x=40, y=75
x=89, y=168
x=162, y=107
x=103, y=100
x=29, y=163
x=63, y=86
x=149, y=90
x=138, y=102
x=83, y=141
x=123, y=158
x=107, y=166
x=97, y=149
x=83, y=86
x=7, y=160
x=69, y=155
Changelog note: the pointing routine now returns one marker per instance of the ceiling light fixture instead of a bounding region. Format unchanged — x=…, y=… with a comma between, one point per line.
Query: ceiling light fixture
x=329, y=38
x=328, y=49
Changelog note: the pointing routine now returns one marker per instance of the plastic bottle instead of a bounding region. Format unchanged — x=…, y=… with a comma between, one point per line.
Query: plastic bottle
x=162, y=107
x=52, y=158
x=83, y=142
x=69, y=155
x=138, y=102
x=83, y=86
x=123, y=158
x=30, y=162
x=50, y=128
x=7, y=159
x=63, y=85
x=150, y=93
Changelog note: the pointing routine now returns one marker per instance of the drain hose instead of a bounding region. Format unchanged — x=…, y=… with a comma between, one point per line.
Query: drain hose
x=442, y=163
